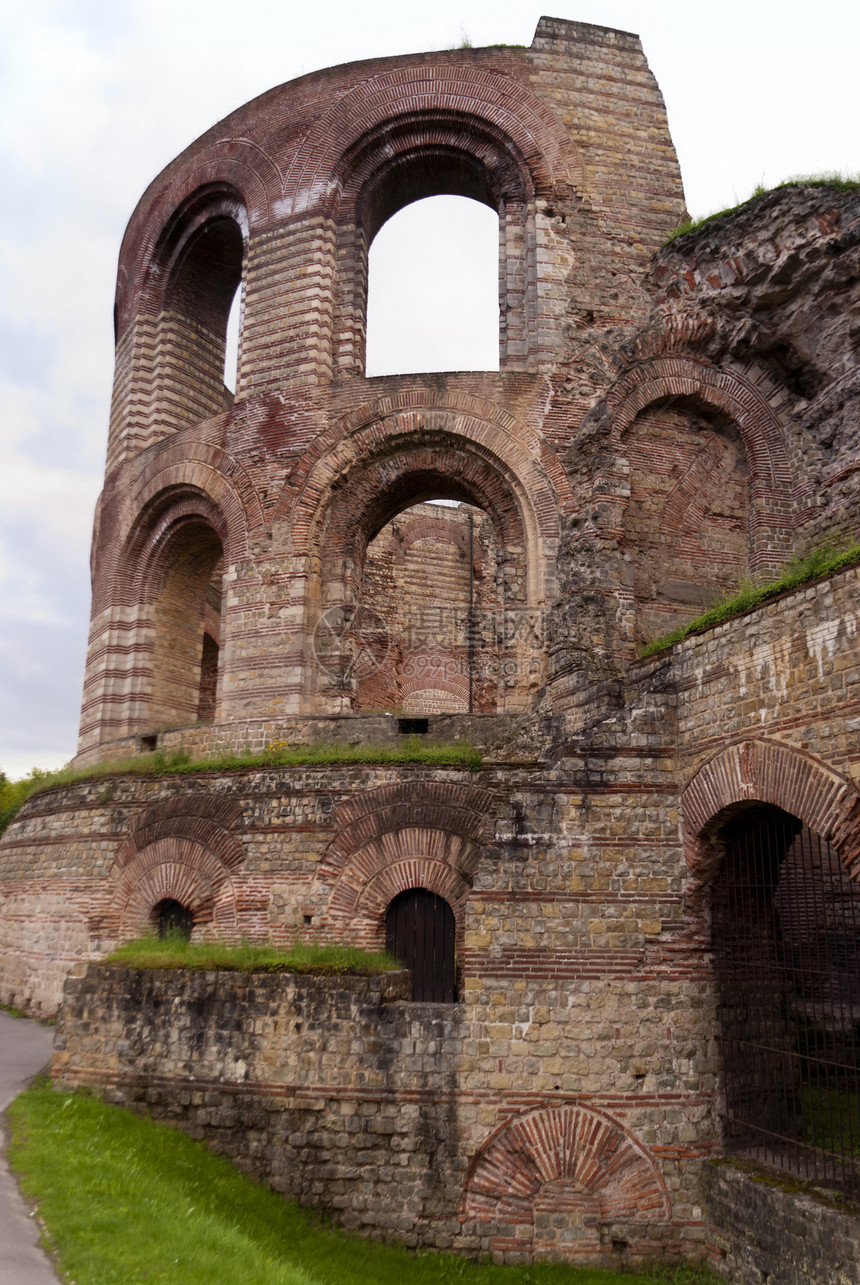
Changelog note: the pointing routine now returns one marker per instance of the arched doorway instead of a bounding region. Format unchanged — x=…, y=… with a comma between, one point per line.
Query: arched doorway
x=420, y=932
x=786, y=938
x=172, y=919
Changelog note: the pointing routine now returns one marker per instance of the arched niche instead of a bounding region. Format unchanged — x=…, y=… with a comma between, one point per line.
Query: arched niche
x=342, y=643
x=195, y=273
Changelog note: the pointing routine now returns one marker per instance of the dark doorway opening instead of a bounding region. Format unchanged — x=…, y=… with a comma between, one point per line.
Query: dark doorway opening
x=786, y=936
x=419, y=931
x=172, y=919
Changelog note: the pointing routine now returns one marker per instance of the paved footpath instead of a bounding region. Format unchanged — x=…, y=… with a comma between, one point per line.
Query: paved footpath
x=25, y=1047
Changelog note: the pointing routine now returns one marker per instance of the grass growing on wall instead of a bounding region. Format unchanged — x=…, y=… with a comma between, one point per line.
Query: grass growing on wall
x=174, y=951
x=124, y=1200
x=823, y=561
x=839, y=182
x=178, y=762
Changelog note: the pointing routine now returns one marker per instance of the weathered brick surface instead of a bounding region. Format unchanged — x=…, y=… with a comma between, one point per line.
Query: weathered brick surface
x=763, y=1230
x=663, y=422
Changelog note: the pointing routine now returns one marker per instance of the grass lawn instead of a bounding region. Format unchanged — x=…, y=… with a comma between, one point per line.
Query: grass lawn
x=174, y=951
x=125, y=1201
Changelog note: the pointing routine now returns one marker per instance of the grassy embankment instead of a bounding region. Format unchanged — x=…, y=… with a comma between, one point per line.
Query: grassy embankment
x=124, y=1200
x=820, y=562
x=411, y=751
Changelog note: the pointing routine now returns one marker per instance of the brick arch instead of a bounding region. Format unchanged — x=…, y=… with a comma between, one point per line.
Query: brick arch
x=738, y=396
x=184, y=848
x=464, y=811
x=207, y=819
x=183, y=479
x=582, y=1157
x=354, y=898
x=518, y=444
x=440, y=531
x=506, y=475
x=765, y=771
x=172, y=868
x=235, y=165
x=447, y=93
x=718, y=388
x=447, y=684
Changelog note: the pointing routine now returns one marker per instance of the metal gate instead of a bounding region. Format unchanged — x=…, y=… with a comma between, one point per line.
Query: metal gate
x=786, y=937
x=419, y=931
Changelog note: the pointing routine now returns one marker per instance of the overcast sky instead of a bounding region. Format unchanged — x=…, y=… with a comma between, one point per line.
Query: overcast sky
x=96, y=96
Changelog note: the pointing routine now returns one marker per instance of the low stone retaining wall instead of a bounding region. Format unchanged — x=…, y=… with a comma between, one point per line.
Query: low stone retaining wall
x=762, y=1232
x=326, y=1089
x=342, y=1094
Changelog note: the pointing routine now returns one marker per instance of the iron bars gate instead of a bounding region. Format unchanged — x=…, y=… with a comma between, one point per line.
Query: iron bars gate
x=786, y=937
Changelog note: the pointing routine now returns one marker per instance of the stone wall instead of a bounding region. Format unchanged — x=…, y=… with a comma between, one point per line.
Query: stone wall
x=764, y=1228
x=341, y=1095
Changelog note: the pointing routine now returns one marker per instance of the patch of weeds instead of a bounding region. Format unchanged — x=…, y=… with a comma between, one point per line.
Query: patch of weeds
x=822, y=561
x=835, y=181
x=175, y=951
x=161, y=762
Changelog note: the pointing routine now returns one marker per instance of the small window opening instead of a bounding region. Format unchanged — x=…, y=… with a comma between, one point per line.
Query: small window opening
x=231, y=351
x=208, y=680
x=433, y=289
x=172, y=919
x=430, y=606
x=420, y=932
x=413, y=726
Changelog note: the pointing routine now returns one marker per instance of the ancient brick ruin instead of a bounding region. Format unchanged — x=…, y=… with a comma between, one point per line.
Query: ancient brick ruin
x=666, y=420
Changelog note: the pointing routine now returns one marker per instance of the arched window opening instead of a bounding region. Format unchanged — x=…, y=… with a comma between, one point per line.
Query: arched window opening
x=786, y=937
x=429, y=613
x=172, y=919
x=187, y=620
x=433, y=289
x=196, y=358
x=232, y=339
x=686, y=523
x=420, y=932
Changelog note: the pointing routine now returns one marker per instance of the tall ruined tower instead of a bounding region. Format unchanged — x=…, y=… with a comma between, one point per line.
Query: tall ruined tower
x=638, y=919
x=228, y=528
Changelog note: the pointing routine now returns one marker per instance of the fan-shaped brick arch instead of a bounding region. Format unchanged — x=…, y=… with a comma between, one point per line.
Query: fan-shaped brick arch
x=505, y=478
x=721, y=388
x=371, y=427
x=774, y=505
x=183, y=480
x=207, y=819
x=448, y=91
x=767, y=772
x=184, y=849
x=466, y=811
x=414, y=857
x=177, y=870
x=583, y=1157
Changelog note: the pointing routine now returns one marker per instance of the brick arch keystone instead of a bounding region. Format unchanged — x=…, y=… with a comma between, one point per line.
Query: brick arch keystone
x=584, y=1149
x=766, y=771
